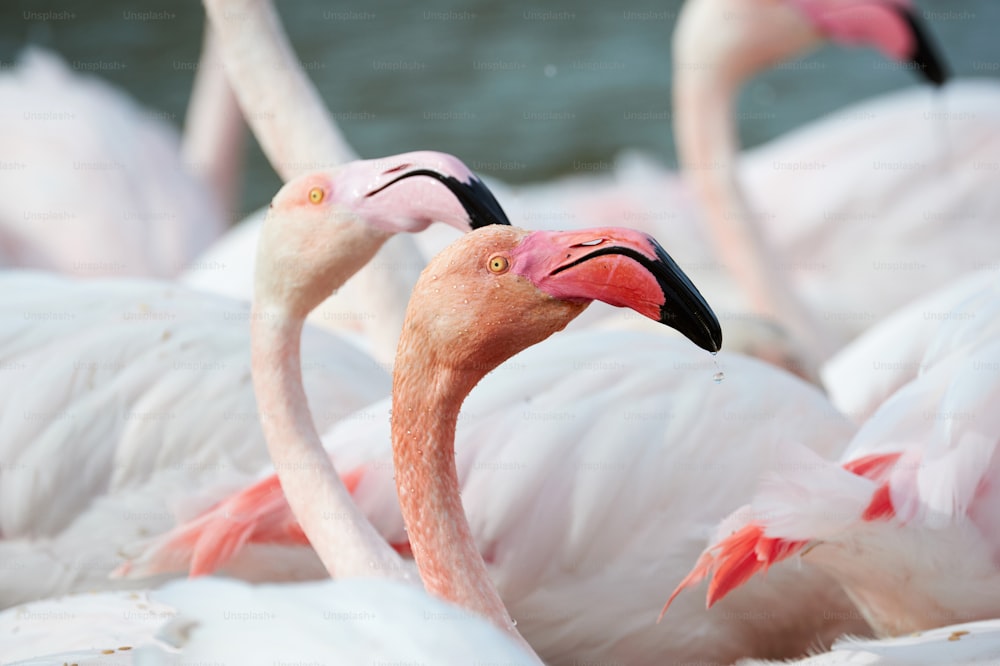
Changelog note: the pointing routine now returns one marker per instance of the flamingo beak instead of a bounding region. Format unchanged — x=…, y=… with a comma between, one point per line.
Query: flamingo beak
x=477, y=199
x=926, y=55
x=621, y=267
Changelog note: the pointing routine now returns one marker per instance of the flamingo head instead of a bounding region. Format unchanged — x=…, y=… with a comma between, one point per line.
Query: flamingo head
x=891, y=26
x=510, y=288
x=736, y=39
x=323, y=226
x=407, y=192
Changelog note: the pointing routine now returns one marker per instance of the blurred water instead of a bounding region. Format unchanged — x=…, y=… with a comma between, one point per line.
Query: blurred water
x=518, y=90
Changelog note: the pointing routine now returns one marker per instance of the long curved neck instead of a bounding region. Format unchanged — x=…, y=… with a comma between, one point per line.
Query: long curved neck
x=426, y=400
x=213, y=128
x=708, y=148
x=281, y=105
x=345, y=540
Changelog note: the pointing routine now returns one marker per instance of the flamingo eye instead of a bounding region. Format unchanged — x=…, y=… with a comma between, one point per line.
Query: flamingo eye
x=316, y=195
x=499, y=264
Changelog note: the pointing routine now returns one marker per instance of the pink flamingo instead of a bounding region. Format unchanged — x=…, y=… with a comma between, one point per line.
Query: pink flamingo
x=907, y=523
x=711, y=60
x=546, y=277
x=814, y=192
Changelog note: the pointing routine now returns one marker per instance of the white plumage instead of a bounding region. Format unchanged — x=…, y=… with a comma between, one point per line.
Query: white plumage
x=221, y=621
x=97, y=185
x=594, y=467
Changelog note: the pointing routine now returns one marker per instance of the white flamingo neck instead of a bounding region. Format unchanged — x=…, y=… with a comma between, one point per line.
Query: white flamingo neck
x=282, y=107
x=212, y=143
x=345, y=540
x=709, y=151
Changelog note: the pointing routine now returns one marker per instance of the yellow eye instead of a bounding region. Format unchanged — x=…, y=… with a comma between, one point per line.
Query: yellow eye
x=316, y=195
x=499, y=264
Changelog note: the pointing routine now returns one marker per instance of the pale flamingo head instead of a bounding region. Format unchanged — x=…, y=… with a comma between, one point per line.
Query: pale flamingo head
x=737, y=39
x=512, y=288
x=409, y=191
x=891, y=26
x=323, y=226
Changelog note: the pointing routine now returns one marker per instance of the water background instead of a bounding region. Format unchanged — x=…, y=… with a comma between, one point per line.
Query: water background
x=520, y=91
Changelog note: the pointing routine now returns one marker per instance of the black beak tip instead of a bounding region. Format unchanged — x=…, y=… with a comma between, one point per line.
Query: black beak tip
x=926, y=55
x=483, y=208
x=700, y=327
x=712, y=339
x=684, y=308
x=479, y=203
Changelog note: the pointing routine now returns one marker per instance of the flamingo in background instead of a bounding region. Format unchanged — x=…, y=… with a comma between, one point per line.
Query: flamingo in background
x=100, y=186
x=713, y=56
x=908, y=522
x=212, y=143
x=827, y=197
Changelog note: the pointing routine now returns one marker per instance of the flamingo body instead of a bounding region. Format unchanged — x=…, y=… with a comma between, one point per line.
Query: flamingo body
x=114, y=381
x=648, y=427
x=96, y=185
x=908, y=523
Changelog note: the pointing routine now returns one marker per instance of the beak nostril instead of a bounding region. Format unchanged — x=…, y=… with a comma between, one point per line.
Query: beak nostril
x=396, y=169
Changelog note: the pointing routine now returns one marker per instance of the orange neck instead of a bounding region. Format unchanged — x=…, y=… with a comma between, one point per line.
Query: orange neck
x=427, y=397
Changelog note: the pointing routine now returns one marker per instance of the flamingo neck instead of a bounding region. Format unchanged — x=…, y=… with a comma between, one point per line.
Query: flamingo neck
x=345, y=540
x=709, y=151
x=284, y=110
x=212, y=144
x=427, y=397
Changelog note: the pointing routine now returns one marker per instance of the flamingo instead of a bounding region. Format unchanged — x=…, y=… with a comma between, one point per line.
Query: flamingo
x=101, y=187
x=515, y=289
x=116, y=397
x=546, y=278
x=907, y=522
